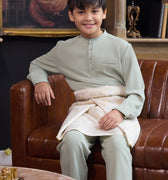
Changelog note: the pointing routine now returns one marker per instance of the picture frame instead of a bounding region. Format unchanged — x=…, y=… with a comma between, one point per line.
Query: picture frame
x=29, y=18
x=35, y=18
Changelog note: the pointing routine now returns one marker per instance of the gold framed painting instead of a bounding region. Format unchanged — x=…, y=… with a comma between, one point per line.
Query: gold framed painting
x=41, y=18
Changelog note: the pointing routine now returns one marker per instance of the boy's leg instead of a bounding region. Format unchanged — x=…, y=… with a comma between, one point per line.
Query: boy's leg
x=117, y=156
x=74, y=150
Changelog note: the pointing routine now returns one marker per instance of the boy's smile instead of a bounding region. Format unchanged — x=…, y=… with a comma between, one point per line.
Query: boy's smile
x=88, y=21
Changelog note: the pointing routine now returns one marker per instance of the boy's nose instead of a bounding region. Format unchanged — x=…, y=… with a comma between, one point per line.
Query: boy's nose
x=88, y=17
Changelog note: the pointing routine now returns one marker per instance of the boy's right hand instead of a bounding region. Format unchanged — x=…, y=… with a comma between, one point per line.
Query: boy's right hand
x=43, y=93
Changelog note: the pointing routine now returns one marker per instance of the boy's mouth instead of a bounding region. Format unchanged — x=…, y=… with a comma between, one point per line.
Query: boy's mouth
x=88, y=25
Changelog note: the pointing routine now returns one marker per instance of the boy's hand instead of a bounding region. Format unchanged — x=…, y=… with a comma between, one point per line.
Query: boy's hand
x=111, y=120
x=43, y=93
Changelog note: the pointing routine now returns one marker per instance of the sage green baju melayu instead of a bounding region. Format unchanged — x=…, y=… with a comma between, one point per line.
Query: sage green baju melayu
x=103, y=61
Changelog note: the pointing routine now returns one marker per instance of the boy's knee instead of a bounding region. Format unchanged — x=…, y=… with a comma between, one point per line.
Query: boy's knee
x=72, y=141
x=73, y=138
x=117, y=144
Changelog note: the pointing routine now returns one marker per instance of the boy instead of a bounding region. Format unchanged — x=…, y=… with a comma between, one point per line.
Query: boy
x=104, y=73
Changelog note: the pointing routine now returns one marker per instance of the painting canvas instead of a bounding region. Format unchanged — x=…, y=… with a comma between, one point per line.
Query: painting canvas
x=36, y=17
x=46, y=18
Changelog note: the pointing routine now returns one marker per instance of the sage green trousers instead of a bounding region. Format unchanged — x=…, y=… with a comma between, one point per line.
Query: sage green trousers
x=75, y=148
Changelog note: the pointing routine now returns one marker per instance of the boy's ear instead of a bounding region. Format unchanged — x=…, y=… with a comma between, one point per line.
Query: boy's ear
x=70, y=14
x=105, y=13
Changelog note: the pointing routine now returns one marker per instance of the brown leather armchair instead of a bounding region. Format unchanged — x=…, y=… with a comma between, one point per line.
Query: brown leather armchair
x=34, y=127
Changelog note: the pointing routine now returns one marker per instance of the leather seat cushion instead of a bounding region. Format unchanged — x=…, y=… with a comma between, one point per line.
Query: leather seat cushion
x=42, y=143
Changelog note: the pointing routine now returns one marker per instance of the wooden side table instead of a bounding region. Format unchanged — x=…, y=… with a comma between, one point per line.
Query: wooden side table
x=36, y=174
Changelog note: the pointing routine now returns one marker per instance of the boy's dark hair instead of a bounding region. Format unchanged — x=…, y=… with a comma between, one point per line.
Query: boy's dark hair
x=82, y=4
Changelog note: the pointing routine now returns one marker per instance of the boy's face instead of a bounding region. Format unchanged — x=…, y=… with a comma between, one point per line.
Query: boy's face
x=88, y=21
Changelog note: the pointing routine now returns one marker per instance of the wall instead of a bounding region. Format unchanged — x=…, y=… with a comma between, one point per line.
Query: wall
x=15, y=56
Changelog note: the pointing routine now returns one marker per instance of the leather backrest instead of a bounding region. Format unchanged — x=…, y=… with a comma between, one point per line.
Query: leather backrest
x=155, y=74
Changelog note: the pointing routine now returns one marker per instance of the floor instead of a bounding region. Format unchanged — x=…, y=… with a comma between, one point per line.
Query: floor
x=5, y=160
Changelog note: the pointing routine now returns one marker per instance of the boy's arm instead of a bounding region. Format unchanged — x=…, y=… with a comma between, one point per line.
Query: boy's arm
x=38, y=74
x=44, y=65
x=132, y=105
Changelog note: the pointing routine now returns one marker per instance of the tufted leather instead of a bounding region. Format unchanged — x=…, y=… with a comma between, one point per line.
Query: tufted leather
x=34, y=127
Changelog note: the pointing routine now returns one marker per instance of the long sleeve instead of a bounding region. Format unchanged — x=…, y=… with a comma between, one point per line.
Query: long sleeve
x=44, y=65
x=132, y=77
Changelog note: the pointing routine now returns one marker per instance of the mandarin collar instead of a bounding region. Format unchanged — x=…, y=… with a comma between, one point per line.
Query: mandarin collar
x=94, y=39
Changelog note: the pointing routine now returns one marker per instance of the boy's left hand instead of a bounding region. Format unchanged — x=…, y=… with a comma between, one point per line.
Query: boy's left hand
x=111, y=120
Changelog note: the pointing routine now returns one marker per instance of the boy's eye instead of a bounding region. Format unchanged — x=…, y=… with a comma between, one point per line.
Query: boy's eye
x=80, y=12
x=95, y=11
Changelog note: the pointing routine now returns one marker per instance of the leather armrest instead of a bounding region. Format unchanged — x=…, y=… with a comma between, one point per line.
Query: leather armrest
x=27, y=115
x=150, y=150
